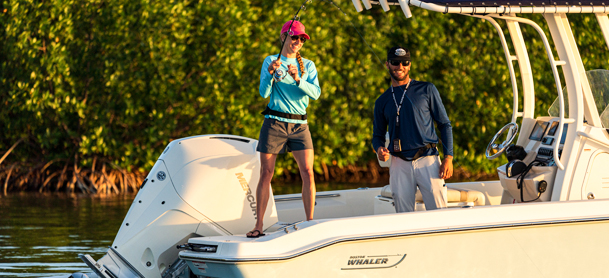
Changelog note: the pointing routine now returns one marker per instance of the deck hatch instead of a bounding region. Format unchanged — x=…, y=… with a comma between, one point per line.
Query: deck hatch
x=199, y=247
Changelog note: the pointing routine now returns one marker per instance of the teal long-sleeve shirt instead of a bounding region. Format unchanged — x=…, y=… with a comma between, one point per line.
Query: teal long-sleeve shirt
x=286, y=95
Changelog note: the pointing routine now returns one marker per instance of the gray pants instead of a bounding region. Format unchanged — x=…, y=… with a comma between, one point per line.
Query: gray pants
x=404, y=176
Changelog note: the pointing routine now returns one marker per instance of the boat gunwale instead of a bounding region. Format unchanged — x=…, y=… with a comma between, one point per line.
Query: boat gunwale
x=391, y=235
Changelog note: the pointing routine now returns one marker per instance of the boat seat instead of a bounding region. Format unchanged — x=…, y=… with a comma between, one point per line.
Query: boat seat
x=453, y=195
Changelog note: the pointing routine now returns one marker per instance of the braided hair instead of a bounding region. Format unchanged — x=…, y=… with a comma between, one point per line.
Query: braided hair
x=298, y=57
x=300, y=63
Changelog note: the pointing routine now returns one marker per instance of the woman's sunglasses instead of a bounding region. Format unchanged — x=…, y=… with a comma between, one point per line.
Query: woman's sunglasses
x=302, y=39
x=397, y=63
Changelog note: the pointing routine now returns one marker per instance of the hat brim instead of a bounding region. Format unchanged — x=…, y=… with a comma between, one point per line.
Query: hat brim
x=398, y=58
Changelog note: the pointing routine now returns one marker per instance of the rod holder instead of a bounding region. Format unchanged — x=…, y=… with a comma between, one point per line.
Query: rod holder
x=384, y=5
x=367, y=4
x=405, y=8
x=358, y=5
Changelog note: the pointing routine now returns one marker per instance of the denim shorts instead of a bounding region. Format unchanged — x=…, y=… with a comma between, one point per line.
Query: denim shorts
x=279, y=137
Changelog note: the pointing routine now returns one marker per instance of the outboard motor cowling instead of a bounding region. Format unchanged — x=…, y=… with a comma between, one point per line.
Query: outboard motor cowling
x=200, y=186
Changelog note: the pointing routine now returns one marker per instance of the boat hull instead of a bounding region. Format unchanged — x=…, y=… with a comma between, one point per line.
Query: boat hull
x=572, y=249
x=561, y=239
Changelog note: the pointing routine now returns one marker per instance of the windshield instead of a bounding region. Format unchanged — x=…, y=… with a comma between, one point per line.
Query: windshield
x=599, y=84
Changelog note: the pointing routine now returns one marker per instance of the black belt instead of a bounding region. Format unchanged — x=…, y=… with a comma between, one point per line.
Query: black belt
x=268, y=111
x=417, y=155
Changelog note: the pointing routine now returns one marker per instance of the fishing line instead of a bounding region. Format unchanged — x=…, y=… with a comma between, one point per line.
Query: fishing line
x=362, y=37
x=465, y=172
x=353, y=25
x=295, y=18
x=388, y=71
x=304, y=8
x=379, y=60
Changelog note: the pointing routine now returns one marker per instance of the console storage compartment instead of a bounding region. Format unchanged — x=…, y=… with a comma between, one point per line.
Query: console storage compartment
x=532, y=181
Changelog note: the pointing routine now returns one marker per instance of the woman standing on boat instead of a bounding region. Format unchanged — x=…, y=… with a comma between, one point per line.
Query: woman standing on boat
x=290, y=82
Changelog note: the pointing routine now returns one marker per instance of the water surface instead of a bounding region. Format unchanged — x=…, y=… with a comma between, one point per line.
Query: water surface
x=41, y=235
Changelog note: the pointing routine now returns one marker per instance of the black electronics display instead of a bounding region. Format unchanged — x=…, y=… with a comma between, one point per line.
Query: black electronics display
x=553, y=129
x=538, y=130
x=547, y=141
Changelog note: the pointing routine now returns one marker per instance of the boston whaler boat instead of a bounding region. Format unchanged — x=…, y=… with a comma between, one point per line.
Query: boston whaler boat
x=546, y=216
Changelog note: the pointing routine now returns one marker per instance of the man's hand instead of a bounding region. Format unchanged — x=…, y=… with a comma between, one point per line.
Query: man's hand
x=274, y=66
x=446, y=169
x=293, y=71
x=383, y=154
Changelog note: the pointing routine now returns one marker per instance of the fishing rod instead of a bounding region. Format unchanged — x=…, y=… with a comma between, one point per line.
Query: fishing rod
x=295, y=18
x=303, y=8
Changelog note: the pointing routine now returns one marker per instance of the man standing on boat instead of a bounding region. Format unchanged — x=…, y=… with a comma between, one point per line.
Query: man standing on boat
x=409, y=108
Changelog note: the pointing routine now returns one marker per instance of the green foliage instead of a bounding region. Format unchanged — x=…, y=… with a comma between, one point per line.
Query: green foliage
x=121, y=79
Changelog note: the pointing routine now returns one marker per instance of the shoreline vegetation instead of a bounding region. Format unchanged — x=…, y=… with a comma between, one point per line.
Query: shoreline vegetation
x=104, y=177
x=94, y=91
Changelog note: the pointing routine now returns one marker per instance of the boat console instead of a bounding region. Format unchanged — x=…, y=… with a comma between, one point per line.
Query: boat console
x=543, y=138
x=531, y=179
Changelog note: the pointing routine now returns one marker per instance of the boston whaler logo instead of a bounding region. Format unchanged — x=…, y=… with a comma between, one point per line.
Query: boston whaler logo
x=369, y=262
x=250, y=198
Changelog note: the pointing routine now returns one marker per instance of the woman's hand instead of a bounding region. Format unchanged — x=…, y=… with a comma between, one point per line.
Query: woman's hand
x=274, y=66
x=293, y=71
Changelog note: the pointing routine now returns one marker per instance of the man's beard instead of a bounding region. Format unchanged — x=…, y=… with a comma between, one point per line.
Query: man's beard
x=399, y=79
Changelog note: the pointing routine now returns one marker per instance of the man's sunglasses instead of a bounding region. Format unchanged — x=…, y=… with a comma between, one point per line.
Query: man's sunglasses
x=302, y=39
x=397, y=63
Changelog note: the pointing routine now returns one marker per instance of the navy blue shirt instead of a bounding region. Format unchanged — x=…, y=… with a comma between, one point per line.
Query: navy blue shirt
x=422, y=106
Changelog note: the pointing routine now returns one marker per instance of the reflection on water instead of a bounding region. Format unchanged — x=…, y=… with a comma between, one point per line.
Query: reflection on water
x=41, y=235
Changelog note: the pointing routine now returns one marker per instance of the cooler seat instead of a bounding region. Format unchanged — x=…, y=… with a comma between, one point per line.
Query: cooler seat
x=456, y=198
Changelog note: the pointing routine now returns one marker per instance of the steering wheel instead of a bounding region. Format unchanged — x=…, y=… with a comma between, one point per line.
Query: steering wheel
x=499, y=149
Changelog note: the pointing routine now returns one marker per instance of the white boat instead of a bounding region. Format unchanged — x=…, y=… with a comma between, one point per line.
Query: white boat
x=200, y=197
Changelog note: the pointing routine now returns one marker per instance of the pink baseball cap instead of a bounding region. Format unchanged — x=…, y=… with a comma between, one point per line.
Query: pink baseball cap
x=296, y=30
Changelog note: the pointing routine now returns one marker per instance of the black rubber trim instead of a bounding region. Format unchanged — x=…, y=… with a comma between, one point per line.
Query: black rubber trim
x=231, y=138
x=143, y=183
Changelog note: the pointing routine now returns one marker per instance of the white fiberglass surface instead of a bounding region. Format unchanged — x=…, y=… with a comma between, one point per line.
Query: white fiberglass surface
x=358, y=202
